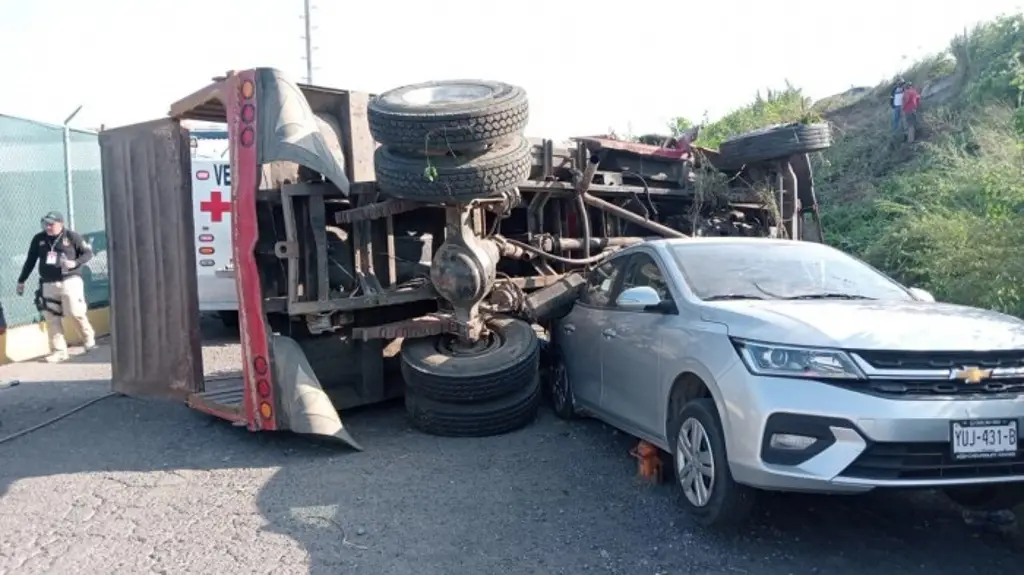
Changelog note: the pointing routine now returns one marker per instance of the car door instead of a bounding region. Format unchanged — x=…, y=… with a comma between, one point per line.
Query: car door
x=633, y=350
x=578, y=334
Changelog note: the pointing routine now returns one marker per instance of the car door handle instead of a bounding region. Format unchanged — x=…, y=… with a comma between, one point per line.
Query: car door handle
x=568, y=328
x=609, y=333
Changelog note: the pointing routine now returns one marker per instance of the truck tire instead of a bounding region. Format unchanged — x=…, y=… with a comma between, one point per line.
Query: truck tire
x=774, y=142
x=456, y=178
x=509, y=366
x=455, y=114
x=482, y=419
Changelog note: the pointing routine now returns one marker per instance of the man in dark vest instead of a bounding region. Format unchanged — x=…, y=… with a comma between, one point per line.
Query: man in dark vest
x=60, y=253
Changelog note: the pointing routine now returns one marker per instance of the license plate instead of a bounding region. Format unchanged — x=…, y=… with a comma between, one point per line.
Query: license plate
x=984, y=438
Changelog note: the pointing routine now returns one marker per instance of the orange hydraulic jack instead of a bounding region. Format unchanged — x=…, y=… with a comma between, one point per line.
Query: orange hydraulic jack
x=648, y=461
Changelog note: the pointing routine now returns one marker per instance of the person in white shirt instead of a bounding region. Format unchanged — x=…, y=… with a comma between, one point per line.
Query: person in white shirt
x=896, y=101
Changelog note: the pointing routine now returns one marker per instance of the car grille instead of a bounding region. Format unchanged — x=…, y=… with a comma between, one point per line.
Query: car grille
x=924, y=461
x=932, y=388
x=921, y=360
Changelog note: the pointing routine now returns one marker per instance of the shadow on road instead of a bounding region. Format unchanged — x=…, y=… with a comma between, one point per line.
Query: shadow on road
x=554, y=498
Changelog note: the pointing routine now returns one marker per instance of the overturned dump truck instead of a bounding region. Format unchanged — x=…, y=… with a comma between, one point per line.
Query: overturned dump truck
x=409, y=244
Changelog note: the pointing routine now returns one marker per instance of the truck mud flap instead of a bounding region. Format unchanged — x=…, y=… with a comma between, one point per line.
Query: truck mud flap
x=303, y=407
x=290, y=131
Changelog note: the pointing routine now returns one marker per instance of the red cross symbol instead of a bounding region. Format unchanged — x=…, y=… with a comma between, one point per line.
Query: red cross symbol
x=216, y=207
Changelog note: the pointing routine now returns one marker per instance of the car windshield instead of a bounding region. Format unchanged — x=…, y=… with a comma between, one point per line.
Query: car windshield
x=771, y=270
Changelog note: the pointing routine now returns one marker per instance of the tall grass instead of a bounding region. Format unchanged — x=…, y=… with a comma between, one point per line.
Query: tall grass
x=946, y=213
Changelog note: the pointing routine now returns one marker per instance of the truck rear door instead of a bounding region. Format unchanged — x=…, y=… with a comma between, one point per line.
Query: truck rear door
x=211, y=202
x=154, y=317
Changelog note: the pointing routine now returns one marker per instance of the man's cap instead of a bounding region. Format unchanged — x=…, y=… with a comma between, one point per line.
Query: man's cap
x=53, y=217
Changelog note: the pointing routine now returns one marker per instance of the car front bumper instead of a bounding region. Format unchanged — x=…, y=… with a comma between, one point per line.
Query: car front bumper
x=864, y=441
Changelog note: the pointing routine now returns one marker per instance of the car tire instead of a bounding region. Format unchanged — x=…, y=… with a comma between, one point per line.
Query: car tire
x=493, y=112
x=507, y=367
x=728, y=504
x=458, y=178
x=559, y=388
x=987, y=497
x=481, y=419
x=774, y=142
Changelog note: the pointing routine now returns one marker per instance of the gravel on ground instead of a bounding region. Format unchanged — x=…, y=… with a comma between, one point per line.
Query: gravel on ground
x=147, y=486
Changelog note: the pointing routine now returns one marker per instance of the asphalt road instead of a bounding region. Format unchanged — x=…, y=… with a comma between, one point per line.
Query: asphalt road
x=139, y=486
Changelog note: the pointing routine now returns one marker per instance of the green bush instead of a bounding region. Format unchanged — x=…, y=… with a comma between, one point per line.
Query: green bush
x=946, y=213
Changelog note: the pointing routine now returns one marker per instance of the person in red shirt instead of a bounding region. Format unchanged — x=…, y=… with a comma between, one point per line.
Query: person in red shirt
x=911, y=101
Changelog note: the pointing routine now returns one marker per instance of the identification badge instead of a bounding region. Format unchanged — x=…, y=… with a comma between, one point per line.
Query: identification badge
x=51, y=258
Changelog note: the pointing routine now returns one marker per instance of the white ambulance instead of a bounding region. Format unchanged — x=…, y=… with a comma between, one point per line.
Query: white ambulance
x=215, y=269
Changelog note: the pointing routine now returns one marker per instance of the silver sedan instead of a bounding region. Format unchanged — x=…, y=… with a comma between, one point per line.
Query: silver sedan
x=791, y=366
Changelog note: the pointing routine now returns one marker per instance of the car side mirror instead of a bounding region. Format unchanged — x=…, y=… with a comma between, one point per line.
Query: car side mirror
x=921, y=295
x=638, y=298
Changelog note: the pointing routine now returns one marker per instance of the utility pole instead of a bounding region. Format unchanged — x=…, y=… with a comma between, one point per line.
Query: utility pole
x=309, y=40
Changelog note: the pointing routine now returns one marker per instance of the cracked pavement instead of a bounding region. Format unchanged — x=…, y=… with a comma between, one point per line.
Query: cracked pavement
x=147, y=486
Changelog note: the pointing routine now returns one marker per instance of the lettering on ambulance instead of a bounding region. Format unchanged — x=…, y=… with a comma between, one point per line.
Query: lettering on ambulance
x=222, y=173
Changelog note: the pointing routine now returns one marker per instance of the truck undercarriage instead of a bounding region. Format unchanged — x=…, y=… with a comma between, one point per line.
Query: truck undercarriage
x=416, y=233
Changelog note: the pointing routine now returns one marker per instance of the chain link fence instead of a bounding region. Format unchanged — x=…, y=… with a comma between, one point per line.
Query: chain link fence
x=41, y=171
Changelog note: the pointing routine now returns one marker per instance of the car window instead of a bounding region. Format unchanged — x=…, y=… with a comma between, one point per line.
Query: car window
x=786, y=270
x=601, y=282
x=644, y=271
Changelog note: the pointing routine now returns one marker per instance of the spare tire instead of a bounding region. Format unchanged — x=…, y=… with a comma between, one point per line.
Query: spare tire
x=454, y=178
x=452, y=114
x=780, y=141
x=509, y=364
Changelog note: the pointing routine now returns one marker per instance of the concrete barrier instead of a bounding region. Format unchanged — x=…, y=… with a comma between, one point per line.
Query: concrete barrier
x=31, y=341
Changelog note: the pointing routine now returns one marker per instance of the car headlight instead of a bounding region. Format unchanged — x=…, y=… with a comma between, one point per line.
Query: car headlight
x=794, y=361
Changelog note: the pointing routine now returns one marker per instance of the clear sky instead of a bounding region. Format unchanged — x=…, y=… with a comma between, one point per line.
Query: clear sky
x=588, y=66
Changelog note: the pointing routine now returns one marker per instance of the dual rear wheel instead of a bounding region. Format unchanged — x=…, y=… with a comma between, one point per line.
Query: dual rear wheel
x=490, y=388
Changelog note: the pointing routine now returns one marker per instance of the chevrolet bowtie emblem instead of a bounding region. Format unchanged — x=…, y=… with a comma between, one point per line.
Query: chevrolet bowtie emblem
x=970, y=374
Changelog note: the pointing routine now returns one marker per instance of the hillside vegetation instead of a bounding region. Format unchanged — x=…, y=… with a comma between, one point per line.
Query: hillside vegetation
x=945, y=213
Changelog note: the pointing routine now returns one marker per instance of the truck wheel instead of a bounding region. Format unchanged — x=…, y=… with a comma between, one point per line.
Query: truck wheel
x=773, y=142
x=508, y=364
x=987, y=497
x=454, y=178
x=456, y=115
x=702, y=474
x=482, y=419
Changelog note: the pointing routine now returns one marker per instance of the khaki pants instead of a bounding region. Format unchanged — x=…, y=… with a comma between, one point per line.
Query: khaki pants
x=71, y=294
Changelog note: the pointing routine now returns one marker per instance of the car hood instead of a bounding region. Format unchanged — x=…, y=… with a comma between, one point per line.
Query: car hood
x=875, y=324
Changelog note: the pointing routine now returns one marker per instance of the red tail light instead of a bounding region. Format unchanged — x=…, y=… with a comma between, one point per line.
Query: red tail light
x=206, y=237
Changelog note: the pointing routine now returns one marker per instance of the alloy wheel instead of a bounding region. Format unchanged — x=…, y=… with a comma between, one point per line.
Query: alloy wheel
x=695, y=462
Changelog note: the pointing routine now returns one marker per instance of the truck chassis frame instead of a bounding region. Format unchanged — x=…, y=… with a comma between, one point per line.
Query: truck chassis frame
x=517, y=254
